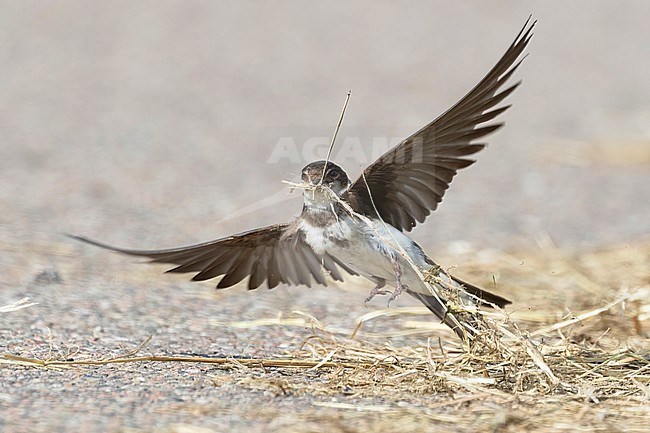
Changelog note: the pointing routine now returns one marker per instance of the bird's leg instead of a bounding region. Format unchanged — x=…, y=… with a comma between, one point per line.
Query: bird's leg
x=399, y=287
x=377, y=290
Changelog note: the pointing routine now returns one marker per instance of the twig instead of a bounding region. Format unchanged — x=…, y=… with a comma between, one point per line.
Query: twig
x=336, y=132
x=249, y=362
x=578, y=318
x=18, y=305
x=137, y=349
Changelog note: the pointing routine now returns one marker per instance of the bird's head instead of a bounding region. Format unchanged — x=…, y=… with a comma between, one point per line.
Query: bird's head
x=334, y=178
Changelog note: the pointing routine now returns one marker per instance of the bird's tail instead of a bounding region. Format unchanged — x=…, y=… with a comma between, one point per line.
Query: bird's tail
x=439, y=307
x=484, y=295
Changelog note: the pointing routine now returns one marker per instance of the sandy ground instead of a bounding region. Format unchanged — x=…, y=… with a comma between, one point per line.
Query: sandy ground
x=158, y=124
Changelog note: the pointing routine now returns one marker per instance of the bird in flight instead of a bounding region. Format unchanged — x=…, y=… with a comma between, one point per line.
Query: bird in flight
x=359, y=228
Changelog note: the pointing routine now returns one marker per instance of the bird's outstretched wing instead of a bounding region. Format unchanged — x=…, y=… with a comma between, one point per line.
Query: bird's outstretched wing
x=275, y=254
x=408, y=181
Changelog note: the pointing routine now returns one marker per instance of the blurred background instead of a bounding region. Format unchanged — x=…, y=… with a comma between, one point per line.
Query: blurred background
x=153, y=124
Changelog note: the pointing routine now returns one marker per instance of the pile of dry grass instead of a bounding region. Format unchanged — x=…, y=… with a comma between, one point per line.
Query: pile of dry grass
x=543, y=367
x=589, y=365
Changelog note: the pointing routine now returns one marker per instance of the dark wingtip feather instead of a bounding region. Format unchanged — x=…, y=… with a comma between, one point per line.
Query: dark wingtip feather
x=96, y=243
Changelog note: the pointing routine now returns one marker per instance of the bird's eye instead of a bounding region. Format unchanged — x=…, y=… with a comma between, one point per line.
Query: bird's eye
x=333, y=174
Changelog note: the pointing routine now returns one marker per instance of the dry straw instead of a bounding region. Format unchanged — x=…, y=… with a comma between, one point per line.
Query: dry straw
x=589, y=367
x=18, y=305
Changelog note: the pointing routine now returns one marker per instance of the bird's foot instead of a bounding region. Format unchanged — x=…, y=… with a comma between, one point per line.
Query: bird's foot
x=399, y=288
x=377, y=290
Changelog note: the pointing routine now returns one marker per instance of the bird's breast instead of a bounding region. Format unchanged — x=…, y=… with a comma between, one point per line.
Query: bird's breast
x=365, y=248
x=325, y=238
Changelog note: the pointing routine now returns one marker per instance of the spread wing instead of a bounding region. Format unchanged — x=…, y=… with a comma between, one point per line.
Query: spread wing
x=275, y=254
x=408, y=181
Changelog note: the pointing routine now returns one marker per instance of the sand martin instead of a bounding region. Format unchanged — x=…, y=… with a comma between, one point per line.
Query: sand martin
x=359, y=228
